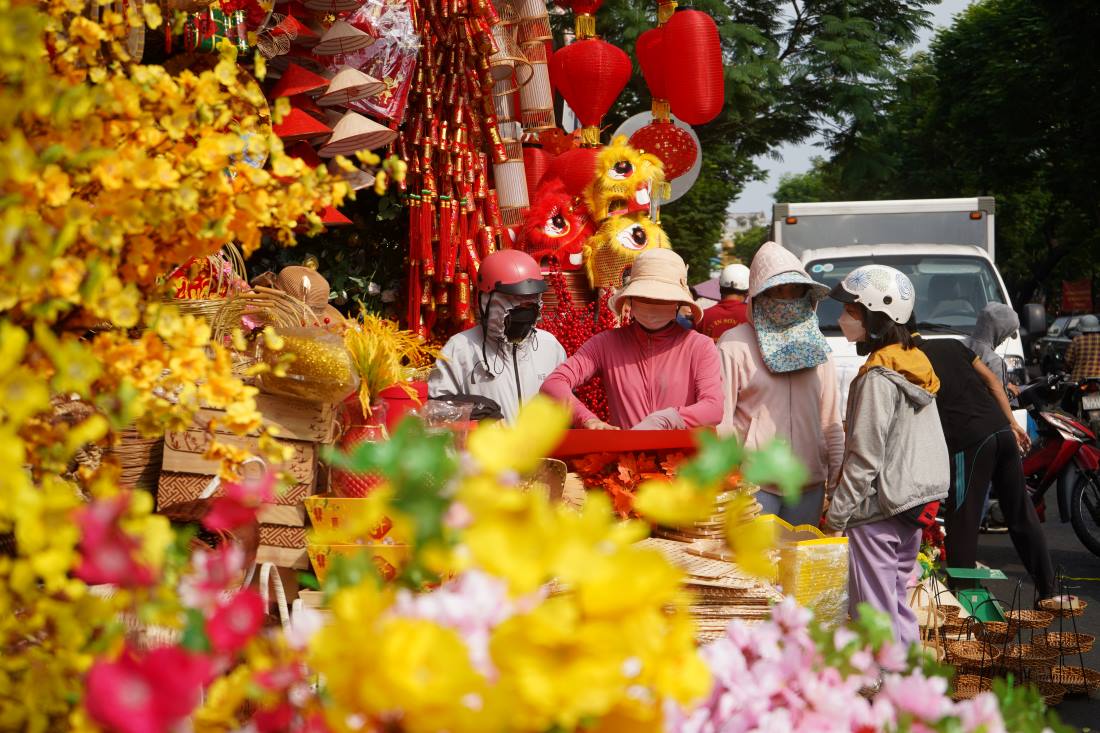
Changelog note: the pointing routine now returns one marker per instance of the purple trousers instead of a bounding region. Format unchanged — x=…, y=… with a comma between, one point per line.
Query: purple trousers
x=881, y=558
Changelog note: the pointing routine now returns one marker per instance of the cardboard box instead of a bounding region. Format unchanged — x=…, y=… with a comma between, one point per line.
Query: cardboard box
x=283, y=546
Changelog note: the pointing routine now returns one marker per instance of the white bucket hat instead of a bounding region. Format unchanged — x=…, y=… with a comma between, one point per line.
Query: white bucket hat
x=658, y=274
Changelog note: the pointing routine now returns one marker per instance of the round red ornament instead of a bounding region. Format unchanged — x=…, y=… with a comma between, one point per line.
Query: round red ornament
x=672, y=144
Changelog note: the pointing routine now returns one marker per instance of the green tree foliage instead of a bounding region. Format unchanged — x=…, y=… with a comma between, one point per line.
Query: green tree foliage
x=795, y=69
x=1005, y=104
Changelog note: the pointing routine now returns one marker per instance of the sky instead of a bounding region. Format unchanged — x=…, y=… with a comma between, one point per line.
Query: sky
x=757, y=195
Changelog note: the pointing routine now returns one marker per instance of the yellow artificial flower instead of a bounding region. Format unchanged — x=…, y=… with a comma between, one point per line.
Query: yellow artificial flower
x=675, y=503
x=498, y=447
x=752, y=541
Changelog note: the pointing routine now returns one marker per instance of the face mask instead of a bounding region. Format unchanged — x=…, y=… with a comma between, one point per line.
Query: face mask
x=653, y=316
x=520, y=321
x=852, y=328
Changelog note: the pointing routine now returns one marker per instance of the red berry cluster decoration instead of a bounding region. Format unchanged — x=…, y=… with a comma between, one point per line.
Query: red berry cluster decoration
x=572, y=326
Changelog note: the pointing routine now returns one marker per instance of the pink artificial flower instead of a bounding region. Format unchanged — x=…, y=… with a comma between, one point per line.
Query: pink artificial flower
x=235, y=621
x=145, y=694
x=892, y=656
x=239, y=503
x=107, y=554
x=981, y=713
x=212, y=574
x=925, y=698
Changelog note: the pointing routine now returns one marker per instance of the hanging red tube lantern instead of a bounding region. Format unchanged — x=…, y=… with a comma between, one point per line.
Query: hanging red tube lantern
x=648, y=49
x=535, y=162
x=593, y=73
x=692, y=54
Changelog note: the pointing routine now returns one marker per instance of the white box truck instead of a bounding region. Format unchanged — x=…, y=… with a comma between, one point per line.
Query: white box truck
x=945, y=246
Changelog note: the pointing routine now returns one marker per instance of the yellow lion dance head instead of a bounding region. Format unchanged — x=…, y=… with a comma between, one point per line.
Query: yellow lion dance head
x=610, y=252
x=623, y=182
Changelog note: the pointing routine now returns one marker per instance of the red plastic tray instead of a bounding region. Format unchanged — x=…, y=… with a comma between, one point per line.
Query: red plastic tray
x=582, y=442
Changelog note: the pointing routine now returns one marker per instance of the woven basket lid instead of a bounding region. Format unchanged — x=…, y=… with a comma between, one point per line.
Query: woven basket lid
x=342, y=37
x=333, y=6
x=296, y=80
x=349, y=85
x=357, y=178
x=298, y=125
x=355, y=132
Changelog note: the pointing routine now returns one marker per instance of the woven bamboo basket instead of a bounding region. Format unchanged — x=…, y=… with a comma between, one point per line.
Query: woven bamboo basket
x=1077, y=680
x=1066, y=642
x=1052, y=692
x=968, y=686
x=995, y=632
x=139, y=459
x=1063, y=607
x=972, y=653
x=1029, y=656
x=1028, y=619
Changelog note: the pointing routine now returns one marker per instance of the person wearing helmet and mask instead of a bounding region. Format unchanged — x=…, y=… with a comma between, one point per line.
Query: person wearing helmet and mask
x=996, y=322
x=780, y=381
x=895, y=469
x=504, y=358
x=1083, y=354
x=732, y=310
x=657, y=375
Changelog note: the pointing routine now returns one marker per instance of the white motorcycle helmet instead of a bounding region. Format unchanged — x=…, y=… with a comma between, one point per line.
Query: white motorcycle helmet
x=734, y=277
x=880, y=289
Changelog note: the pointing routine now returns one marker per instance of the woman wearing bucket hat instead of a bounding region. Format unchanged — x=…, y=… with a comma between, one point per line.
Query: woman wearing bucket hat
x=780, y=381
x=895, y=469
x=657, y=375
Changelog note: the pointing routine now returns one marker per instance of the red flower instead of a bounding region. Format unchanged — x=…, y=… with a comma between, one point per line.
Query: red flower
x=240, y=502
x=149, y=694
x=107, y=554
x=274, y=720
x=235, y=621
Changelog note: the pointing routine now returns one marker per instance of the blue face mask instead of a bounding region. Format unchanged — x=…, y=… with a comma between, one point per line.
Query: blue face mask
x=788, y=333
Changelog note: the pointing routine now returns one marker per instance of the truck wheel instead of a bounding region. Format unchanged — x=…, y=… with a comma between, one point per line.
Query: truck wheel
x=1084, y=511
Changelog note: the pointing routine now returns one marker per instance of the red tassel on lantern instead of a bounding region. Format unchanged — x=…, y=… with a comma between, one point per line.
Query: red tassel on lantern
x=692, y=55
x=592, y=74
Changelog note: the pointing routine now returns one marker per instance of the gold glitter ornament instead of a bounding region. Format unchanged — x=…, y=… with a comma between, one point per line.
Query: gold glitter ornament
x=313, y=364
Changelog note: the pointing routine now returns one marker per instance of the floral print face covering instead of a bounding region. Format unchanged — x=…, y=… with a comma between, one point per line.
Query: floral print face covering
x=788, y=333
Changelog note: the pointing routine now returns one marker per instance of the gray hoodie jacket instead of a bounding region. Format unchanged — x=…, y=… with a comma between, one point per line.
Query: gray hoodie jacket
x=996, y=323
x=895, y=457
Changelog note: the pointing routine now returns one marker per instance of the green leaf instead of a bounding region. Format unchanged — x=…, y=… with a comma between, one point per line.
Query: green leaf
x=716, y=459
x=194, y=633
x=776, y=465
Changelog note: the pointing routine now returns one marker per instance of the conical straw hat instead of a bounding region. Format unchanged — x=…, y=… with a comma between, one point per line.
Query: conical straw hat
x=349, y=85
x=333, y=6
x=305, y=103
x=297, y=125
x=357, y=178
x=342, y=37
x=304, y=152
x=296, y=80
x=355, y=132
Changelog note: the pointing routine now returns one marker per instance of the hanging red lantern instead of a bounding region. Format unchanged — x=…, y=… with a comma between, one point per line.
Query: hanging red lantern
x=535, y=162
x=671, y=143
x=574, y=168
x=692, y=52
x=584, y=22
x=593, y=73
x=648, y=49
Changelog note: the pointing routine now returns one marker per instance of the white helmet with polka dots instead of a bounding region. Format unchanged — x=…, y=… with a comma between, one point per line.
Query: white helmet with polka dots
x=878, y=288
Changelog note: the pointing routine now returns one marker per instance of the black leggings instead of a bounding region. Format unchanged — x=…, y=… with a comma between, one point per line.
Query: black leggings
x=995, y=459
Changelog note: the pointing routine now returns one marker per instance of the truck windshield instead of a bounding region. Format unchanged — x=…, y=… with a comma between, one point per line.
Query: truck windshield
x=951, y=291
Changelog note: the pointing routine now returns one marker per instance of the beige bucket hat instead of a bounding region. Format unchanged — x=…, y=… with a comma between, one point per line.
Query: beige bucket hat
x=659, y=274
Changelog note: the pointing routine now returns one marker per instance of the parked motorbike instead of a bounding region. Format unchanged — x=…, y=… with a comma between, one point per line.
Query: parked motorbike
x=1088, y=403
x=1066, y=454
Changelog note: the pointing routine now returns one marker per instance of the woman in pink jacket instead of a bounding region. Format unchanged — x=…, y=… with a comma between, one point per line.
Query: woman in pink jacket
x=657, y=374
x=780, y=381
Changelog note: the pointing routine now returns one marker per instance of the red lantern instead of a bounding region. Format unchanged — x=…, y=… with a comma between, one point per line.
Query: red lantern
x=649, y=49
x=692, y=52
x=535, y=162
x=585, y=7
x=672, y=144
x=574, y=168
x=592, y=74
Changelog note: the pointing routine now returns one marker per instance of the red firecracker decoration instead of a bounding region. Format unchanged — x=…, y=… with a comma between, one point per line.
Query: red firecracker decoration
x=692, y=55
x=589, y=75
x=671, y=143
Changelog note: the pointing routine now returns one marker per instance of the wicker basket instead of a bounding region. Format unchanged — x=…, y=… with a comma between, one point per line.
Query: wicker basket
x=972, y=653
x=1052, y=692
x=139, y=459
x=995, y=632
x=1028, y=656
x=1077, y=680
x=1066, y=642
x=967, y=686
x=1060, y=608
x=1028, y=619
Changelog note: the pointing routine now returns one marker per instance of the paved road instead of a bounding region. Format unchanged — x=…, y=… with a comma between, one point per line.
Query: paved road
x=1082, y=571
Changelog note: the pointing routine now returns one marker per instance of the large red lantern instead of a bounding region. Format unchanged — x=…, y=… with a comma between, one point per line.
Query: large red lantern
x=692, y=52
x=574, y=168
x=591, y=74
x=648, y=48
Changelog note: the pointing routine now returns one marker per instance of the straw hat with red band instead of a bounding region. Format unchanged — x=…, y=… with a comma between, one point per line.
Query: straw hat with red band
x=657, y=274
x=297, y=125
x=349, y=85
x=296, y=80
x=342, y=37
x=355, y=132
